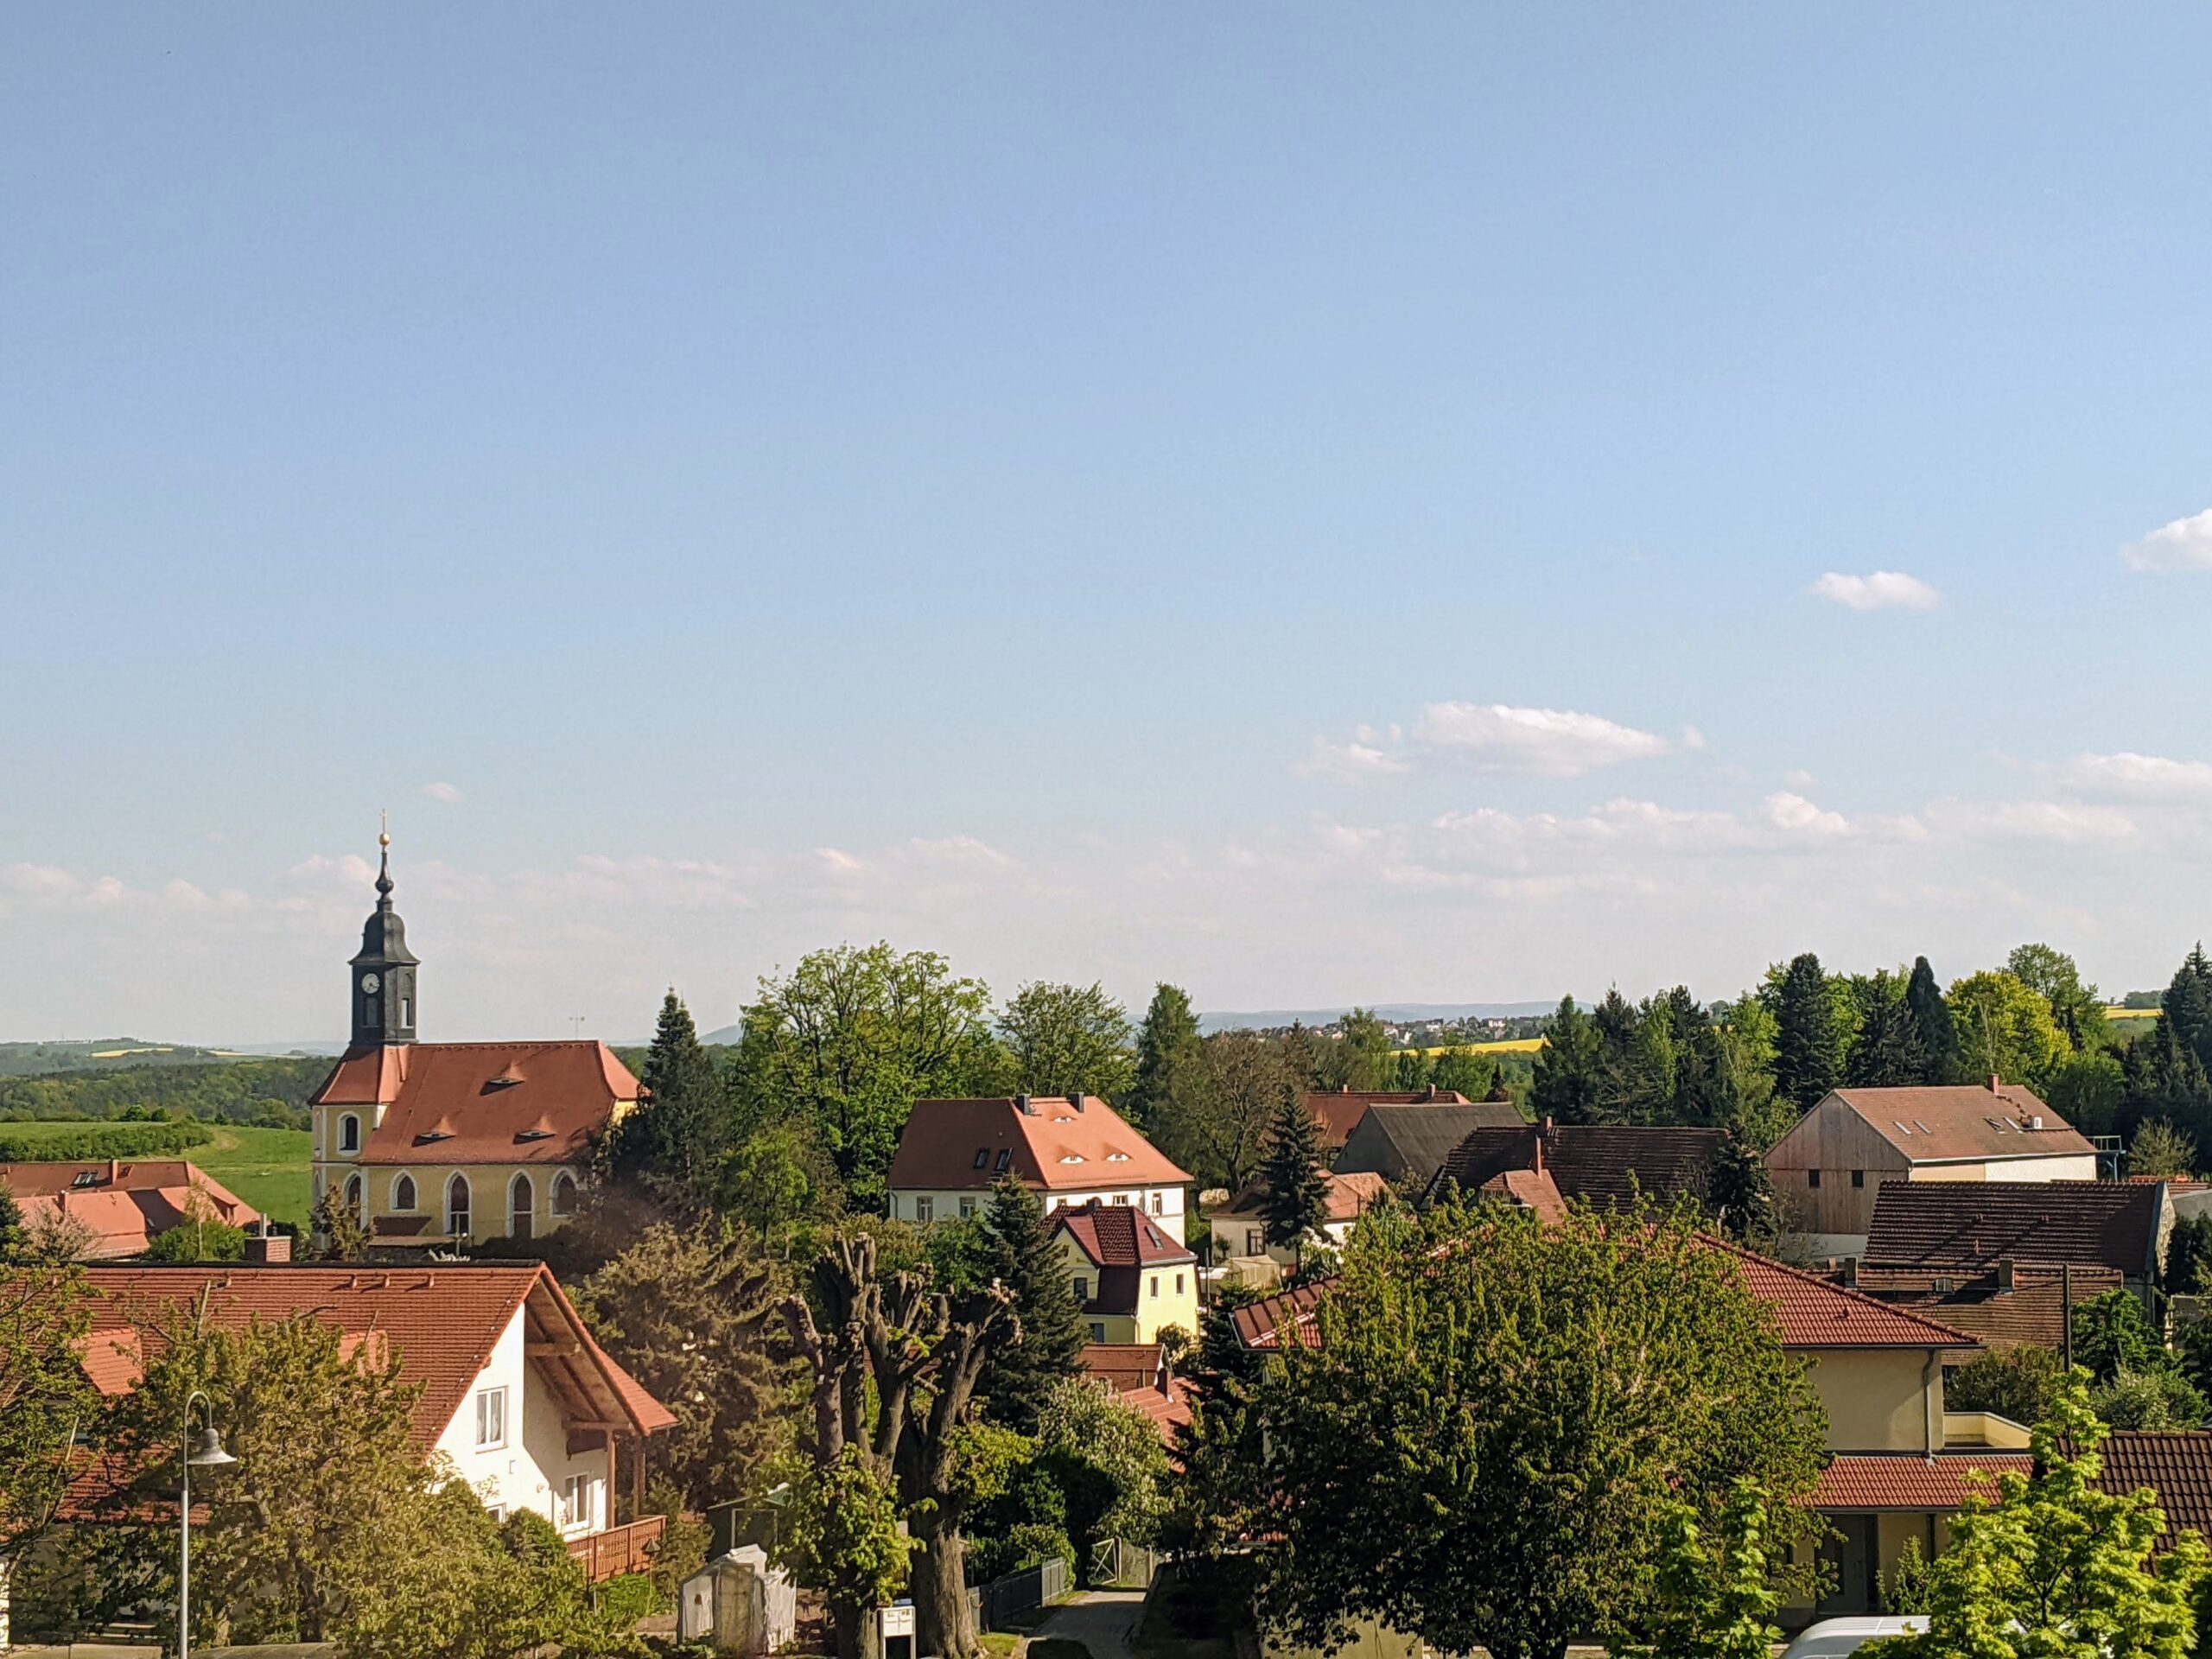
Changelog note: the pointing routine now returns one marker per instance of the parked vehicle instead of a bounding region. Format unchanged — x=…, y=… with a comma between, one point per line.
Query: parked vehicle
x=1835, y=1638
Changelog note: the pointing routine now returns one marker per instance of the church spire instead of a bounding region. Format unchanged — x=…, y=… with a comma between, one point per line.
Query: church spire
x=382, y=988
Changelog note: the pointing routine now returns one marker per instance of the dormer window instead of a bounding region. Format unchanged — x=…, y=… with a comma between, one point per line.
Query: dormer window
x=85, y=1178
x=1117, y=1157
x=1071, y=1157
x=533, y=1134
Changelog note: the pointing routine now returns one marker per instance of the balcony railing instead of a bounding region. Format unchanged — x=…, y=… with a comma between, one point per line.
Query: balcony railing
x=617, y=1550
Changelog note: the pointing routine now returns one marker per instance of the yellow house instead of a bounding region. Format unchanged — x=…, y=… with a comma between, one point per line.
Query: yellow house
x=1133, y=1280
x=453, y=1143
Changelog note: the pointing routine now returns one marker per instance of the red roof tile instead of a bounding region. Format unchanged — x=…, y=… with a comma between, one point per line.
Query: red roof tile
x=2176, y=1465
x=961, y=1145
x=1286, y=1317
x=1975, y=1225
x=1965, y=1122
x=2028, y=1315
x=1118, y=1236
x=1939, y=1484
x=127, y=1205
x=482, y=1103
x=1347, y=1196
x=440, y=1323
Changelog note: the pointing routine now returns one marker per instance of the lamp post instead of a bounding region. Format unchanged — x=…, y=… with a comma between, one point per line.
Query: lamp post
x=206, y=1452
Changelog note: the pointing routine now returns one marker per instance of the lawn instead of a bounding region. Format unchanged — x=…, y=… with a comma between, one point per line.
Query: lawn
x=266, y=1167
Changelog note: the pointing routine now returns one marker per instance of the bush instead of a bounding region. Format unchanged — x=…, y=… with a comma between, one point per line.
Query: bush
x=626, y=1599
x=97, y=1141
x=2158, y=1398
x=2020, y=1383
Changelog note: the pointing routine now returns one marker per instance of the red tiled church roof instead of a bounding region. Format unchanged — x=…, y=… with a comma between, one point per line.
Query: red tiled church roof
x=480, y=1102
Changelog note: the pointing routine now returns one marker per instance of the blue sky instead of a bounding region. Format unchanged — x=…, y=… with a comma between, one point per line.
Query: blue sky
x=1308, y=502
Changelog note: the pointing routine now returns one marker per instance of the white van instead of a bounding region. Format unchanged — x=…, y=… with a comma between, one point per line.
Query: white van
x=1833, y=1638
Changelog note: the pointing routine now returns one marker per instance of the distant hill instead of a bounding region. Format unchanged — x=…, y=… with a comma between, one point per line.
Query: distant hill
x=1393, y=1011
x=727, y=1036
x=101, y=1053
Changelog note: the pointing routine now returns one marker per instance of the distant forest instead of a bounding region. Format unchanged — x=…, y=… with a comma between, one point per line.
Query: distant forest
x=270, y=1093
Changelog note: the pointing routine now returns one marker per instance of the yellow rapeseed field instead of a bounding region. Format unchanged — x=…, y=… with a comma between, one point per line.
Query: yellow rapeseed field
x=1510, y=1045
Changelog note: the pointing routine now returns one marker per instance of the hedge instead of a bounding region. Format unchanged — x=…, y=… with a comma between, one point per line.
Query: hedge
x=79, y=1143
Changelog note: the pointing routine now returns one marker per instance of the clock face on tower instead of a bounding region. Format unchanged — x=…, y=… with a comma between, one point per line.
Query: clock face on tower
x=369, y=983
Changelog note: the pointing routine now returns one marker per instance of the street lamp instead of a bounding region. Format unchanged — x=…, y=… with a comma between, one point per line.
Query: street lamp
x=205, y=1452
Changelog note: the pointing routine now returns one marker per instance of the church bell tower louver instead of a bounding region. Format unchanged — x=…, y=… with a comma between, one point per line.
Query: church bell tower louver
x=382, y=985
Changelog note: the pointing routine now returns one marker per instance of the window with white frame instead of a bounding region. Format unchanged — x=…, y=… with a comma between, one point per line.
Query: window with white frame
x=1082, y=1289
x=403, y=1192
x=490, y=1419
x=967, y=1208
x=1159, y=1204
x=349, y=1133
x=925, y=1209
x=564, y=1193
x=579, y=1502
x=1155, y=1286
x=457, y=1206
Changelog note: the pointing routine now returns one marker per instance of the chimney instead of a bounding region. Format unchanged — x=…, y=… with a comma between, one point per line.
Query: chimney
x=114, y=1170
x=1343, y=1087
x=1996, y=1084
x=1536, y=1162
x=2006, y=1280
x=1547, y=1126
x=1431, y=1095
x=1075, y=1098
x=267, y=1249
x=1021, y=1104
x=1850, y=1273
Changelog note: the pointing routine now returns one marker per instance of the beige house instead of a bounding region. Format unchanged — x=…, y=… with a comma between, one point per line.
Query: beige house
x=1133, y=1277
x=1240, y=1227
x=1071, y=1149
x=453, y=1143
x=1829, y=1167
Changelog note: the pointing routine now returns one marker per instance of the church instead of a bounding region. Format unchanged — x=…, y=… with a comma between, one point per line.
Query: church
x=447, y=1144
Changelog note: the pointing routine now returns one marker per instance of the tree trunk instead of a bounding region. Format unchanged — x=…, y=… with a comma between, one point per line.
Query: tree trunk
x=845, y=1621
x=944, y=1623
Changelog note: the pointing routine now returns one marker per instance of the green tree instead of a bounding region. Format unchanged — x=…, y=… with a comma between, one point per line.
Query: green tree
x=2112, y=1333
x=777, y=1178
x=1566, y=1076
x=13, y=1237
x=1886, y=1051
x=335, y=1231
x=1217, y=1130
x=682, y=1130
x=2004, y=1029
x=2186, y=1009
x=2053, y=1565
x=45, y=1396
x=1717, y=1590
x=849, y=1040
x=1459, y=1072
x=1019, y=1376
x=1809, y=1050
x=2076, y=1008
x=841, y=1534
x=1106, y=1458
x=2160, y=1398
x=2088, y=1090
x=1360, y=1058
x=688, y=1313
x=1747, y=1033
x=1423, y=1430
x=2021, y=1383
x=1067, y=1040
x=1931, y=1020
x=1739, y=1193
x=1170, y=1061
x=198, y=1239
x=2189, y=1255
x=1294, y=1194
x=2161, y=1149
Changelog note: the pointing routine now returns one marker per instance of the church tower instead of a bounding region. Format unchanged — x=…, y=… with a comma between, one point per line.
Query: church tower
x=382, y=988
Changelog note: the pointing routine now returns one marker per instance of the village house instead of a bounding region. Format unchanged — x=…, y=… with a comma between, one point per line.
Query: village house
x=1071, y=1149
x=120, y=1206
x=1962, y=1232
x=1541, y=1166
x=527, y=1406
x=453, y=1143
x=1239, y=1228
x=1137, y=1373
x=1336, y=1112
x=1133, y=1277
x=1407, y=1142
x=1828, y=1167
x=1899, y=1465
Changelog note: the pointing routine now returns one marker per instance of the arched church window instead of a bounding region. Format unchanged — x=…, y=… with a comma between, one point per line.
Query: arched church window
x=403, y=1192
x=564, y=1194
x=522, y=1207
x=349, y=1133
x=457, y=1207
x=353, y=1198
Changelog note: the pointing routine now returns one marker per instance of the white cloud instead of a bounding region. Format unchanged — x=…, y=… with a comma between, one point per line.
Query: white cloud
x=1548, y=742
x=1882, y=591
x=2060, y=823
x=1797, y=816
x=1348, y=762
x=446, y=792
x=1692, y=738
x=2129, y=776
x=1799, y=778
x=2184, y=544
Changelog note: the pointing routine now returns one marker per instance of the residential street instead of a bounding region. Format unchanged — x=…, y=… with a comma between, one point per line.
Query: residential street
x=1105, y=1621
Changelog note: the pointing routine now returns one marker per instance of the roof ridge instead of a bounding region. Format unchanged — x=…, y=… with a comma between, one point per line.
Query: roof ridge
x=1961, y=1339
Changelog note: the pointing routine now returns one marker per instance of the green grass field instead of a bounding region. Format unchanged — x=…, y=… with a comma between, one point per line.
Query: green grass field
x=266, y=1167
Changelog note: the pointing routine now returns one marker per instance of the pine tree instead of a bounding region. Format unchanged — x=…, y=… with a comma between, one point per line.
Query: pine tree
x=1293, y=1193
x=1807, y=1060
x=1932, y=1024
x=1886, y=1053
x=1020, y=1254
x=2186, y=1009
x=12, y=1237
x=1567, y=1077
x=1169, y=1060
x=680, y=1131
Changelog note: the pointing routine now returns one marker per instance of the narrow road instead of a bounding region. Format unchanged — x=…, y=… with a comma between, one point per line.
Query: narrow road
x=1105, y=1621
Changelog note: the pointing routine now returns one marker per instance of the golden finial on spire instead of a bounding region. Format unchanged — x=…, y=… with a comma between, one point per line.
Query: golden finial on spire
x=384, y=828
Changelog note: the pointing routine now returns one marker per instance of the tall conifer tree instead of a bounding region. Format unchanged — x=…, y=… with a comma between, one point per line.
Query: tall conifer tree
x=1932, y=1024
x=1170, y=1062
x=1020, y=1255
x=681, y=1130
x=1807, y=1059
x=1294, y=1194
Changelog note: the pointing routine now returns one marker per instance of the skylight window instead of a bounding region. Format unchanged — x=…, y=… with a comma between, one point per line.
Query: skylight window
x=982, y=1156
x=1006, y=1157
x=1902, y=1128
x=1924, y=1129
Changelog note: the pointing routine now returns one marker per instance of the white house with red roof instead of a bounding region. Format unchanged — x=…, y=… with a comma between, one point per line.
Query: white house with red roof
x=1132, y=1276
x=451, y=1143
x=517, y=1396
x=1070, y=1148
